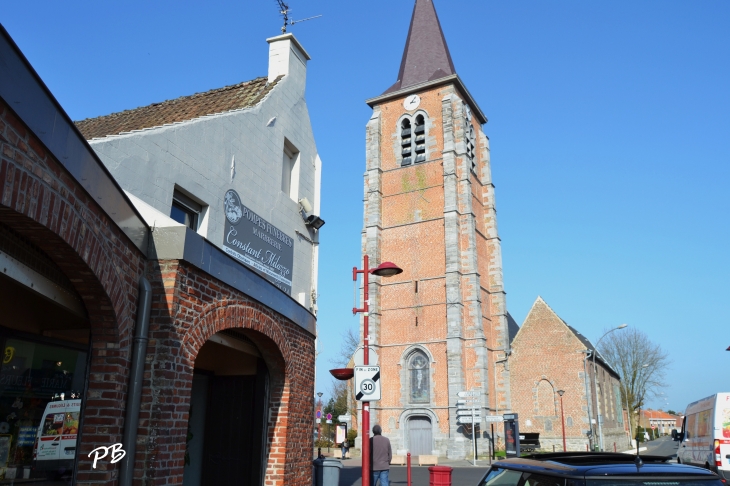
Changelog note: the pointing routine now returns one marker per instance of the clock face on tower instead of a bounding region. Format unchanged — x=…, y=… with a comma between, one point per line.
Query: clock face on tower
x=412, y=102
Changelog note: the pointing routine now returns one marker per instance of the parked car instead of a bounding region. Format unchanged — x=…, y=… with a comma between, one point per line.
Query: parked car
x=596, y=469
x=705, y=436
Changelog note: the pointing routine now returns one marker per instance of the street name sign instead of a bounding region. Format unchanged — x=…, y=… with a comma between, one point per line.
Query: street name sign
x=344, y=418
x=367, y=383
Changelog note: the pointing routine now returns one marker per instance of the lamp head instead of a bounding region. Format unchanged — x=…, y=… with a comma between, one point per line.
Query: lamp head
x=622, y=326
x=560, y=392
x=386, y=269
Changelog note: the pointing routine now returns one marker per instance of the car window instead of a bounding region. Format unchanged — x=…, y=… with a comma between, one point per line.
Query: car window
x=540, y=480
x=498, y=476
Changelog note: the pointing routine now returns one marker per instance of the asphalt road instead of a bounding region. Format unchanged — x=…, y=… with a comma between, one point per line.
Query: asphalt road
x=663, y=446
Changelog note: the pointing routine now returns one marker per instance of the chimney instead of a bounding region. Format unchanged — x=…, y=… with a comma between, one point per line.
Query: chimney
x=287, y=57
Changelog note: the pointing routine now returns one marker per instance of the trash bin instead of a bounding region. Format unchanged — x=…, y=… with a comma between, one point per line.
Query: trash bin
x=439, y=476
x=327, y=472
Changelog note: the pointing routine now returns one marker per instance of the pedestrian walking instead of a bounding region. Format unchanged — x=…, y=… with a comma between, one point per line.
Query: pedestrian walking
x=345, y=446
x=380, y=457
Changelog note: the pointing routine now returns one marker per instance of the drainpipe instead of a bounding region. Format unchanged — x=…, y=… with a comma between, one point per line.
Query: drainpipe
x=134, y=391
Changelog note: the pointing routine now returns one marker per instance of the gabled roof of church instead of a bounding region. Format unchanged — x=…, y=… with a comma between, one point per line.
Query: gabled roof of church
x=228, y=98
x=426, y=56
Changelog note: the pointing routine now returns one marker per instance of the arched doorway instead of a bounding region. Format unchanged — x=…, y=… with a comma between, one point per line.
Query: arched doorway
x=227, y=424
x=420, y=435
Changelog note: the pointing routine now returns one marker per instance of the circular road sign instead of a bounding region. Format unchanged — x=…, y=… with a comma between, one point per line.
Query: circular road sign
x=319, y=413
x=367, y=387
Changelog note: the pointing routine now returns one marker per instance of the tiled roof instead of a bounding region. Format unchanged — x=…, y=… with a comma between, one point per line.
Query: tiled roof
x=658, y=415
x=228, y=98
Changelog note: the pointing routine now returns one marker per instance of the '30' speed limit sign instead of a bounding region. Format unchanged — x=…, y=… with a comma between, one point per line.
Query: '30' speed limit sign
x=367, y=383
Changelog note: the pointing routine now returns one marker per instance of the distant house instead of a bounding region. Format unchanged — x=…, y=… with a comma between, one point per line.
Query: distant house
x=549, y=356
x=662, y=421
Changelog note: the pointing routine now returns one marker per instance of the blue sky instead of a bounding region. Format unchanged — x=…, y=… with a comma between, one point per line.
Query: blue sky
x=608, y=123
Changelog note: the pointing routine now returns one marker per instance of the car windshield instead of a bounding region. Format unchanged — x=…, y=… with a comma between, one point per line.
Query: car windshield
x=618, y=481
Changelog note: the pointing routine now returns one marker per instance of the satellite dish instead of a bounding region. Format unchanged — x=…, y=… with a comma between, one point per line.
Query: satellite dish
x=359, y=356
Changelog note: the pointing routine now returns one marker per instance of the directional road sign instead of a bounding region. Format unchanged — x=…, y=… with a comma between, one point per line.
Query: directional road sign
x=467, y=419
x=468, y=394
x=367, y=383
x=494, y=418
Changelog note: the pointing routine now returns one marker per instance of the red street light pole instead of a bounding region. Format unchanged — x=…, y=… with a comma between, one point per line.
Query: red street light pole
x=385, y=269
x=562, y=416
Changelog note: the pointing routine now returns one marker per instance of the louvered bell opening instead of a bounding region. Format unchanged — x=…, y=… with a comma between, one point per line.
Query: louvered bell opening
x=405, y=132
x=421, y=148
x=406, y=161
x=420, y=138
x=420, y=129
x=420, y=158
x=405, y=141
x=406, y=150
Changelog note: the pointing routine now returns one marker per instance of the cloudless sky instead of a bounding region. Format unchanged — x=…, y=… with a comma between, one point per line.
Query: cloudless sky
x=609, y=125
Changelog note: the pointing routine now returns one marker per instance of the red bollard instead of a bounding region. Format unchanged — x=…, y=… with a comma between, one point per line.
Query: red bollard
x=440, y=475
x=586, y=447
x=408, y=469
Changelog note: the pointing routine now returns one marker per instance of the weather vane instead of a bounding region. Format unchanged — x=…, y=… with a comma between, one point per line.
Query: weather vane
x=284, y=11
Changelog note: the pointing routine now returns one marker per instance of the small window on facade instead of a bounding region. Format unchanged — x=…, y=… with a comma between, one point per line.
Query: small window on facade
x=290, y=171
x=406, y=142
x=548, y=425
x=418, y=370
x=569, y=421
x=185, y=211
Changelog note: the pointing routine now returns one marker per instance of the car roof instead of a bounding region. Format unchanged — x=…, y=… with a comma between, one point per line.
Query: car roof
x=597, y=464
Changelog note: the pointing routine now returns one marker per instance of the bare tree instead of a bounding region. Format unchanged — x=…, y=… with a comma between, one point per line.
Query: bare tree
x=641, y=363
x=350, y=342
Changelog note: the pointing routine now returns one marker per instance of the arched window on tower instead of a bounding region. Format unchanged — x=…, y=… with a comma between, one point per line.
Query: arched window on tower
x=418, y=376
x=420, y=138
x=405, y=142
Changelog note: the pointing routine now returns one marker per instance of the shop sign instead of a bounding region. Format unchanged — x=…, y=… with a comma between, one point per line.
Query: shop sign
x=258, y=244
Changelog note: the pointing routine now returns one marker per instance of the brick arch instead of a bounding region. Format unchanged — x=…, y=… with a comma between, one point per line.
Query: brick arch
x=42, y=202
x=230, y=314
x=267, y=333
x=545, y=398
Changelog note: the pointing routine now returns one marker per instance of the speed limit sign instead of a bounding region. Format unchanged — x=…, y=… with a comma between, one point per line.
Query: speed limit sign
x=367, y=383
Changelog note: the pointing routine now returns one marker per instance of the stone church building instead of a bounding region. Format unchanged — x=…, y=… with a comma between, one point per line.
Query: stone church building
x=441, y=326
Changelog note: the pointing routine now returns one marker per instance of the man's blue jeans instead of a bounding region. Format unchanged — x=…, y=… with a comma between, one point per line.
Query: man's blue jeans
x=383, y=476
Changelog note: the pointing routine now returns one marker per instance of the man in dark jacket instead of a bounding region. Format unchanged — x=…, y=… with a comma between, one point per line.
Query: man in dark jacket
x=380, y=457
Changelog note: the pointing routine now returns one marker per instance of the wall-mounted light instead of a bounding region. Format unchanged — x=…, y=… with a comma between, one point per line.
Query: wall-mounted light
x=305, y=208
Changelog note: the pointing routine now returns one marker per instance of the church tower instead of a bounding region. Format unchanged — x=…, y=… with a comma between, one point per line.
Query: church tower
x=440, y=327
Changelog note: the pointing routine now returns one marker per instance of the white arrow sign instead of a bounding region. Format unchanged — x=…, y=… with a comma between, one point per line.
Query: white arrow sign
x=494, y=418
x=344, y=418
x=465, y=411
x=467, y=419
x=468, y=394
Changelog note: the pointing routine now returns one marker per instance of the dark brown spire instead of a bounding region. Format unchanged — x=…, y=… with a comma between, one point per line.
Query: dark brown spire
x=426, y=56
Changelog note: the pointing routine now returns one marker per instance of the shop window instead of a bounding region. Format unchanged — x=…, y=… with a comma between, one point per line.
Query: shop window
x=418, y=370
x=290, y=171
x=40, y=406
x=185, y=210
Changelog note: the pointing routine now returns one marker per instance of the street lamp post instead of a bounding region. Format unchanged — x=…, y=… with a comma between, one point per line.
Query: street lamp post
x=385, y=269
x=595, y=385
x=562, y=416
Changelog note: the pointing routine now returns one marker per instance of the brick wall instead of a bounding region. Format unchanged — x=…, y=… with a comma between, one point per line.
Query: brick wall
x=42, y=202
x=547, y=357
x=189, y=307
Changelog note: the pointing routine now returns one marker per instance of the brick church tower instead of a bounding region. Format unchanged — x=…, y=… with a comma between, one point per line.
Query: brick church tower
x=440, y=327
